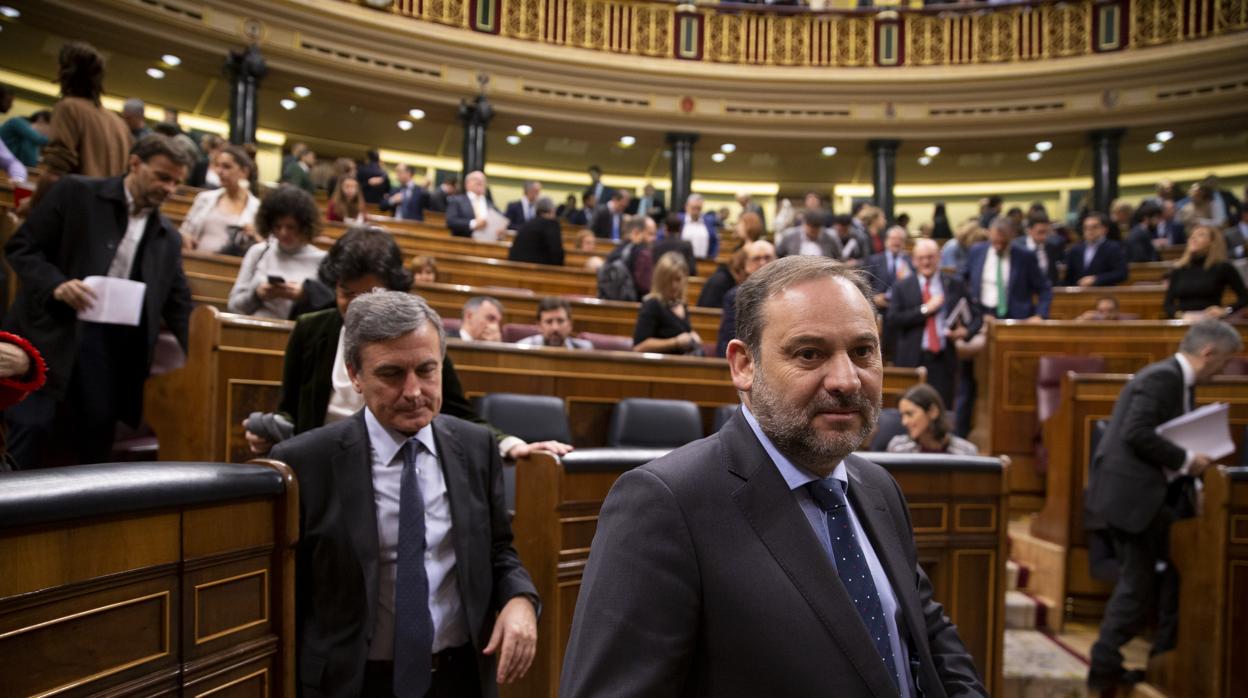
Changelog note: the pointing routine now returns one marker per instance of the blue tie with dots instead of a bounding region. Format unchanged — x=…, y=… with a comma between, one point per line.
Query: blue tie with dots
x=852, y=566
x=413, y=624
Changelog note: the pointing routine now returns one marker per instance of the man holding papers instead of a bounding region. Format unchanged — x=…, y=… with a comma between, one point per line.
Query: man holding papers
x=1137, y=484
x=81, y=256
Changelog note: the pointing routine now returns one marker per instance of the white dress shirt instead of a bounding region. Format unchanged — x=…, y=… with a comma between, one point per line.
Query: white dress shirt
x=136, y=223
x=988, y=286
x=480, y=207
x=450, y=625
x=698, y=236
x=1042, y=256
x=810, y=247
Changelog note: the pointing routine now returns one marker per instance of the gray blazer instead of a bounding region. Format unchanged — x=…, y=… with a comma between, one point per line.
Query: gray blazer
x=336, y=573
x=706, y=579
x=791, y=244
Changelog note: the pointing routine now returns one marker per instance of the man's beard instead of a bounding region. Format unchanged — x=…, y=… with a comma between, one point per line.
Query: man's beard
x=789, y=426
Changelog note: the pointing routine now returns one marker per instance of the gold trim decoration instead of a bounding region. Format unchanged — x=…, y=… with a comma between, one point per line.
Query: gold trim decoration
x=263, y=673
x=944, y=517
x=957, y=518
x=264, y=581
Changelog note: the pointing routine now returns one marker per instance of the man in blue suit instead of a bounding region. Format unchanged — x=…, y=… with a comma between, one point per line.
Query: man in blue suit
x=1097, y=261
x=524, y=210
x=408, y=200
x=1044, y=244
x=700, y=229
x=886, y=268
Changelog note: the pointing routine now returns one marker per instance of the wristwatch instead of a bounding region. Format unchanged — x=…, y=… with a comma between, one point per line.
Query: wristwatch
x=923, y=309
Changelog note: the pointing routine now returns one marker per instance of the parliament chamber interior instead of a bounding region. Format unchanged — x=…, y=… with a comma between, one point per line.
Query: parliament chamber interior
x=1040, y=208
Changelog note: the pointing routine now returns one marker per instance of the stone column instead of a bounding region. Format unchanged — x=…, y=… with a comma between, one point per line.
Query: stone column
x=475, y=117
x=682, y=168
x=245, y=69
x=884, y=173
x=1105, y=167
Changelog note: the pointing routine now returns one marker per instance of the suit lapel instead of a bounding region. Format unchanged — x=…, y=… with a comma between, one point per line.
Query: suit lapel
x=455, y=471
x=352, y=467
x=772, y=511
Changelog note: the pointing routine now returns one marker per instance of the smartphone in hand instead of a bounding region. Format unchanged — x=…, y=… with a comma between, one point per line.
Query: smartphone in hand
x=274, y=279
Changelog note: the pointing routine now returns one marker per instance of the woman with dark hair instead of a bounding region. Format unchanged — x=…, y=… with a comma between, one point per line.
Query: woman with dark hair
x=316, y=389
x=1202, y=276
x=84, y=138
x=927, y=423
x=940, y=223
x=222, y=221
x=271, y=279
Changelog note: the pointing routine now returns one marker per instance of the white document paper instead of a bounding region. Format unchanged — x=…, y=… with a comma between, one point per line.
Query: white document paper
x=117, y=301
x=495, y=225
x=1204, y=430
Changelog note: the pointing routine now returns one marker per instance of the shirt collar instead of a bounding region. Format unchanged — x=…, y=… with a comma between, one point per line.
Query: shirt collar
x=794, y=476
x=141, y=213
x=387, y=442
x=1189, y=373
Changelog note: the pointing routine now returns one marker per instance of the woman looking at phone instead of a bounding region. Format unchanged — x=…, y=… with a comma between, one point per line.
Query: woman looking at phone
x=222, y=221
x=270, y=280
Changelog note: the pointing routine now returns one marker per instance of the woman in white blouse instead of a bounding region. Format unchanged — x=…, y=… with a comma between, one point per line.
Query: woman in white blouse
x=270, y=280
x=222, y=221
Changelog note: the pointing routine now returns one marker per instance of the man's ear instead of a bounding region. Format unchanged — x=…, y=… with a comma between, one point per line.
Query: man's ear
x=742, y=365
x=134, y=163
x=354, y=375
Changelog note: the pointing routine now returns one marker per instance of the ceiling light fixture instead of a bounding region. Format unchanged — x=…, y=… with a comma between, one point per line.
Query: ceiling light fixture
x=171, y=60
x=155, y=73
x=10, y=12
x=513, y=139
x=524, y=129
x=301, y=91
x=1164, y=136
x=931, y=151
x=405, y=124
x=416, y=114
x=1035, y=156
x=288, y=104
x=728, y=147
x=925, y=160
x=628, y=141
x=718, y=157
x=1156, y=146
x=828, y=151
x=1044, y=146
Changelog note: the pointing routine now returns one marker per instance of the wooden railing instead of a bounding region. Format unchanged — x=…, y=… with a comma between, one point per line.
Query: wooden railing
x=886, y=37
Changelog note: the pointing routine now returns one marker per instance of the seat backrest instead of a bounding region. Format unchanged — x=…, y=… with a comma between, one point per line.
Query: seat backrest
x=640, y=422
x=529, y=417
x=515, y=331
x=888, y=427
x=1236, y=366
x=723, y=413
x=451, y=325
x=1049, y=379
x=608, y=342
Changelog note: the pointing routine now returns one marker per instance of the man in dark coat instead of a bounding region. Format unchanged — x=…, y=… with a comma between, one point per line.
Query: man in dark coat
x=88, y=227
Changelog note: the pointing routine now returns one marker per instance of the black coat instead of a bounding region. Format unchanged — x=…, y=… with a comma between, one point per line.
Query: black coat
x=73, y=233
x=539, y=241
x=1109, y=264
x=907, y=323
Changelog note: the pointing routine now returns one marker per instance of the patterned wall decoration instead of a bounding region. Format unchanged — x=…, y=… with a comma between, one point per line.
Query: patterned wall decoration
x=893, y=37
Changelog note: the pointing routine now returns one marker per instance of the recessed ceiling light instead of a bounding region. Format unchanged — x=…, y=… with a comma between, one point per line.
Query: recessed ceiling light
x=10, y=12
x=405, y=124
x=728, y=147
x=828, y=151
x=301, y=91
x=1164, y=136
x=718, y=157
x=524, y=129
x=287, y=104
x=155, y=73
x=1044, y=146
x=513, y=139
x=171, y=60
x=931, y=151
x=628, y=141
x=1155, y=147
x=925, y=160
x=416, y=114
x=1035, y=156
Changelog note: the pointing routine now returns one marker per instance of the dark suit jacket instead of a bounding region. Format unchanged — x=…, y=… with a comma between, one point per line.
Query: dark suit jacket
x=437, y=200
x=1109, y=264
x=1053, y=249
x=1139, y=245
x=706, y=579
x=1174, y=232
x=877, y=267
x=655, y=205
x=791, y=243
x=294, y=174
x=73, y=233
x=337, y=567
x=1028, y=292
x=601, y=223
x=539, y=241
x=684, y=247
x=309, y=363
x=413, y=208
x=459, y=214
x=907, y=323
x=373, y=194
x=1127, y=484
x=515, y=214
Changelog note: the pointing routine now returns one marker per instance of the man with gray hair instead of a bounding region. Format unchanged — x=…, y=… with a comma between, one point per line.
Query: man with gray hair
x=482, y=320
x=132, y=112
x=1140, y=482
x=734, y=566
x=525, y=209
x=407, y=581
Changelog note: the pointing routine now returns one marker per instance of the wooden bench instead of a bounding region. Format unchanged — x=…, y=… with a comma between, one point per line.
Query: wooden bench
x=958, y=515
x=234, y=367
x=1006, y=404
x=1057, y=551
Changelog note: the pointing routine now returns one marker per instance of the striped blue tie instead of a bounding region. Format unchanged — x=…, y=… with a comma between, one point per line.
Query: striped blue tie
x=413, y=624
x=851, y=566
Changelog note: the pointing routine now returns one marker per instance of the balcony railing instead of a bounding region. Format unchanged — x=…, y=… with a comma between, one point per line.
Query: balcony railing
x=933, y=36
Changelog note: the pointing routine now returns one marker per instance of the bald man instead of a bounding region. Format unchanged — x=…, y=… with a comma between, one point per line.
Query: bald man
x=468, y=212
